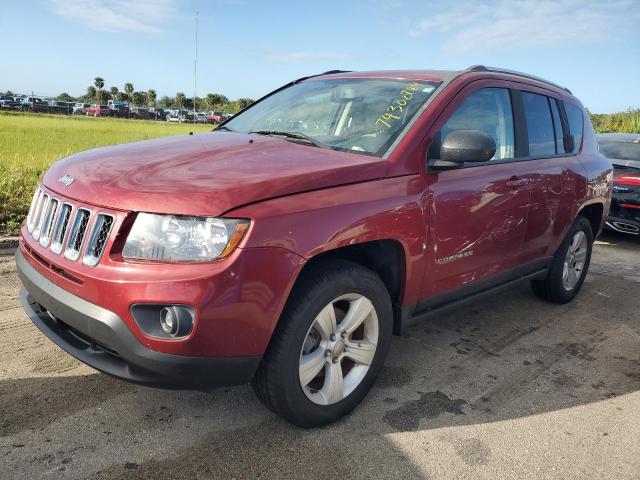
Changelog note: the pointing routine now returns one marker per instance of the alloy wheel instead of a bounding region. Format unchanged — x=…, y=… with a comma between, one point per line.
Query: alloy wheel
x=338, y=349
x=574, y=261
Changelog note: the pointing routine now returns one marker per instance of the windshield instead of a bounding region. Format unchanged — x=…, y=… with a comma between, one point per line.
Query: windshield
x=359, y=115
x=621, y=150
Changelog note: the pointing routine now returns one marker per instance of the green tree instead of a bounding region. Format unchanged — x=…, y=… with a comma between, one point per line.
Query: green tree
x=165, y=102
x=101, y=97
x=114, y=92
x=91, y=93
x=180, y=100
x=99, y=84
x=215, y=100
x=65, y=97
x=244, y=102
x=128, y=89
x=151, y=97
x=138, y=98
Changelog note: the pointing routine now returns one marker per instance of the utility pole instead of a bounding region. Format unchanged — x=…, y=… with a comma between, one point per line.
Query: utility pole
x=195, y=72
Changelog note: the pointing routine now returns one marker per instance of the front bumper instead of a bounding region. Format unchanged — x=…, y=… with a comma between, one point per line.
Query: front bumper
x=623, y=225
x=102, y=340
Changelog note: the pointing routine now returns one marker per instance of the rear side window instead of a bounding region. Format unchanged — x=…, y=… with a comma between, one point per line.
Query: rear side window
x=487, y=110
x=539, y=124
x=574, y=117
x=557, y=125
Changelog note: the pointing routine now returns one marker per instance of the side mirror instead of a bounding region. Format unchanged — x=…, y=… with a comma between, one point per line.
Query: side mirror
x=463, y=146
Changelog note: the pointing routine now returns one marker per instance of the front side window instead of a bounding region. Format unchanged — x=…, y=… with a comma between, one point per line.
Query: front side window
x=352, y=114
x=539, y=124
x=574, y=117
x=489, y=111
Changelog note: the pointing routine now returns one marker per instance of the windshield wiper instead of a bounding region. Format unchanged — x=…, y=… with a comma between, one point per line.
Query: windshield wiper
x=293, y=136
x=223, y=129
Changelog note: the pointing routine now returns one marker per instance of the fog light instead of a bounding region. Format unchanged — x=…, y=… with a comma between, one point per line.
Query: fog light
x=176, y=321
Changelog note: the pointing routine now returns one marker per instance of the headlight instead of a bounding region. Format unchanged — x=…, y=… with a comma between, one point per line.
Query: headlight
x=182, y=238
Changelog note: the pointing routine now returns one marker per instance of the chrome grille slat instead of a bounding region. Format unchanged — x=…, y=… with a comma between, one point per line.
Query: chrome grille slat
x=45, y=233
x=77, y=234
x=43, y=204
x=30, y=215
x=98, y=239
x=60, y=228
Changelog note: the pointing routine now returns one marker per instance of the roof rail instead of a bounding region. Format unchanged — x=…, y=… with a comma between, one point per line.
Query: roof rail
x=482, y=68
x=328, y=72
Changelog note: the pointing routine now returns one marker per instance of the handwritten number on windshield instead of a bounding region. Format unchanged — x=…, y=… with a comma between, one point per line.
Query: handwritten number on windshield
x=397, y=106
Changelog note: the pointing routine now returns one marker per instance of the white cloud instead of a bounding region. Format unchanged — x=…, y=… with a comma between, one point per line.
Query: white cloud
x=293, y=57
x=140, y=16
x=503, y=24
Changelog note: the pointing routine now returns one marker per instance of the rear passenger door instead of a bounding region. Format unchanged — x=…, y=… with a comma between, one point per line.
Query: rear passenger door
x=551, y=165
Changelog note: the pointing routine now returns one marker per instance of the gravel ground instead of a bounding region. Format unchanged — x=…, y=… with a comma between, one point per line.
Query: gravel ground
x=511, y=387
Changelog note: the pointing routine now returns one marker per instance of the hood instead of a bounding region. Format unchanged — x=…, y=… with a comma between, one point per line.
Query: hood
x=204, y=174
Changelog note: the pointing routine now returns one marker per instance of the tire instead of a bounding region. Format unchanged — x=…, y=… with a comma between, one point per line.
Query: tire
x=333, y=286
x=554, y=287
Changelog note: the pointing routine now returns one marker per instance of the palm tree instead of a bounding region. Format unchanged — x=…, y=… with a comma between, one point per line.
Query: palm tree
x=180, y=100
x=91, y=92
x=151, y=97
x=138, y=98
x=128, y=89
x=99, y=83
x=114, y=92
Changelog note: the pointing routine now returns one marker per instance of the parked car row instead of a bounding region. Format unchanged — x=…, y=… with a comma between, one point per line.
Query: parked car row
x=114, y=108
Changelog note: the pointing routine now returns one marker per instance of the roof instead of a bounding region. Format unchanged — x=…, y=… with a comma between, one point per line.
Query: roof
x=437, y=75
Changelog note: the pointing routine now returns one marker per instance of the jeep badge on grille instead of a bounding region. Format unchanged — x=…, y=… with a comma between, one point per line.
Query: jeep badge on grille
x=66, y=180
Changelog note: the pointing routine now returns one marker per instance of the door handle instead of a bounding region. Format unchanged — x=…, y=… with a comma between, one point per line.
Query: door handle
x=515, y=182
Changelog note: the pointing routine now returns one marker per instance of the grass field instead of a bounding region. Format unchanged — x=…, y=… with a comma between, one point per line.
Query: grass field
x=30, y=143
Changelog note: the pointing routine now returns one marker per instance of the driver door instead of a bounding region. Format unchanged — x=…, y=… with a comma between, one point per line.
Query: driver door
x=478, y=211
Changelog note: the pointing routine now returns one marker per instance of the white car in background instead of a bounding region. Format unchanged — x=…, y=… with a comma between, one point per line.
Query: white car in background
x=80, y=108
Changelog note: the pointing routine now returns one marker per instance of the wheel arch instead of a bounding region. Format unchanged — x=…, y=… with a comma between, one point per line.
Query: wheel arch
x=594, y=212
x=385, y=257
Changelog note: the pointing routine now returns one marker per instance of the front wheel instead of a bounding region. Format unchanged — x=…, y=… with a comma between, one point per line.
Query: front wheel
x=329, y=346
x=570, y=265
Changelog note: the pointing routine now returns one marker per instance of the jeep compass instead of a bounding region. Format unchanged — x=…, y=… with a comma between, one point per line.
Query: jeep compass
x=285, y=247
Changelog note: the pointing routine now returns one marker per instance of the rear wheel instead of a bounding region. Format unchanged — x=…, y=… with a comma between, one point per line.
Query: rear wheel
x=329, y=346
x=570, y=265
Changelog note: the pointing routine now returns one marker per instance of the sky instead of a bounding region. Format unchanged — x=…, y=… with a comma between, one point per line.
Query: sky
x=248, y=48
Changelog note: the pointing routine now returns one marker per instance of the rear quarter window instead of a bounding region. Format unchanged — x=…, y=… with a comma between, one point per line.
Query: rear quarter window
x=576, y=123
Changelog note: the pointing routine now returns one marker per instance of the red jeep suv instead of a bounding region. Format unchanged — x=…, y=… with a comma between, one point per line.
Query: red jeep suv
x=287, y=246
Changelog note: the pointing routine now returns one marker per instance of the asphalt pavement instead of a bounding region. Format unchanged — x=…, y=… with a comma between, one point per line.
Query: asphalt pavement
x=509, y=387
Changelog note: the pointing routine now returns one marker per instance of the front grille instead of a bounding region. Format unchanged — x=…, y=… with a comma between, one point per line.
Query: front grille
x=60, y=226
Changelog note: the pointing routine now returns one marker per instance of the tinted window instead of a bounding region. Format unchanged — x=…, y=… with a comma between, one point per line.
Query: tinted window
x=574, y=116
x=557, y=125
x=539, y=124
x=487, y=110
x=621, y=150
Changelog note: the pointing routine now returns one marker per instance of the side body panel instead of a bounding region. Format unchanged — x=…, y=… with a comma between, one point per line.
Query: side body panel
x=315, y=222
